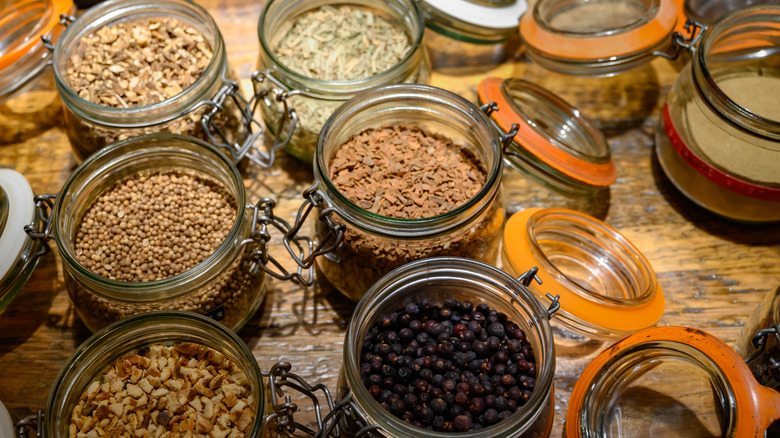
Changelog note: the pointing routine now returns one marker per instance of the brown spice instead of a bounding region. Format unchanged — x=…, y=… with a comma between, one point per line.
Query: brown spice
x=150, y=227
x=184, y=390
x=403, y=172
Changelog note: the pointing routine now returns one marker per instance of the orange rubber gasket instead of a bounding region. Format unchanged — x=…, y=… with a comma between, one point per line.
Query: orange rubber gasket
x=594, y=174
x=52, y=18
x=611, y=317
x=670, y=17
x=757, y=406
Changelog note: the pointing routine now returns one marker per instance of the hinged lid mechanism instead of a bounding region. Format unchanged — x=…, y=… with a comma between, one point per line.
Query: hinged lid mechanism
x=17, y=209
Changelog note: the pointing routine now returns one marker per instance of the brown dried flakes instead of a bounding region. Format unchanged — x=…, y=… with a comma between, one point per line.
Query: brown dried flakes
x=138, y=62
x=167, y=407
x=404, y=172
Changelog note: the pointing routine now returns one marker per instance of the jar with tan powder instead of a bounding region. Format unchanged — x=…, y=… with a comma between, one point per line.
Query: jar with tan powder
x=126, y=68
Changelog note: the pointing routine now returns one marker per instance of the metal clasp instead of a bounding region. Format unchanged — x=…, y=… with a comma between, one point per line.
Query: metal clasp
x=43, y=227
x=65, y=20
x=530, y=275
x=302, y=249
x=34, y=422
x=680, y=41
x=760, y=341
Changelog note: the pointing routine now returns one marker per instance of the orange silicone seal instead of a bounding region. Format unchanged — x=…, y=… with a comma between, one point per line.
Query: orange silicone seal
x=756, y=406
x=591, y=173
x=11, y=23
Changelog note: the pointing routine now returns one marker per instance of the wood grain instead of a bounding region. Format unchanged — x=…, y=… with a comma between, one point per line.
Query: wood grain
x=713, y=272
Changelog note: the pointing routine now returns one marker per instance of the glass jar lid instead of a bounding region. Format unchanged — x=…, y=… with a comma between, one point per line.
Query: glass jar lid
x=475, y=21
x=554, y=140
x=16, y=210
x=678, y=381
x=599, y=37
x=607, y=288
x=23, y=23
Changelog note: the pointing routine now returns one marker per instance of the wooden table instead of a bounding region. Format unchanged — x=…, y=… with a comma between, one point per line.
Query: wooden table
x=713, y=272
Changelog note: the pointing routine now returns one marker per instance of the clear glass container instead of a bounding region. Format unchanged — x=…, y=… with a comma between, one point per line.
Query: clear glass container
x=314, y=100
x=228, y=285
x=449, y=277
x=555, y=147
x=718, y=139
x=127, y=337
x=374, y=245
x=764, y=359
x=671, y=382
x=28, y=101
x=91, y=126
x=467, y=35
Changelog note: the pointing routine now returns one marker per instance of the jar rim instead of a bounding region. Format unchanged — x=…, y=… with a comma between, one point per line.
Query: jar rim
x=410, y=227
x=345, y=87
x=459, y=20
x=45, y=23
x=111, y=12
x=140, y=146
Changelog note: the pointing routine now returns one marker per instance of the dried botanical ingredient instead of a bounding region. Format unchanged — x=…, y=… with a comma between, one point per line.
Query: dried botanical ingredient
x=403, y=172
x=154, y=226
x=342, y=43
x=138, y=62
x=182, y=390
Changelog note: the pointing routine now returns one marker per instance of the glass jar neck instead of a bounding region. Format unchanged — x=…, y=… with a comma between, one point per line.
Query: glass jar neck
x=112, y=12
x=736, y=46
x=418, y=104
x=147, y=153
x=278, y=15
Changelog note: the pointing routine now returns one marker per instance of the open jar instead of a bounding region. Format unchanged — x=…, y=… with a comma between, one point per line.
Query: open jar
x=673, y=381
x=296, y=104
x=157, y=97
x=374, y=244
x=28, y=100
x=759, y=341
x=437, y=280
x=718, y=139
x=228, y=284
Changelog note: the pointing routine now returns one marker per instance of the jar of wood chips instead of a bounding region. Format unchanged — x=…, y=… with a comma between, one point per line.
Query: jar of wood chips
x=126, y=68
x=315, y=55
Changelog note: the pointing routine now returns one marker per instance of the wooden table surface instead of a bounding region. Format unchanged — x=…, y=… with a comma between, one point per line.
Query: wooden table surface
x=713, y=272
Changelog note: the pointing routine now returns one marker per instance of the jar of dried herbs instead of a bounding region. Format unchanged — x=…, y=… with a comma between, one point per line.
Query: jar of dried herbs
x=410, y=171
x=316, y=55
x=126, y=68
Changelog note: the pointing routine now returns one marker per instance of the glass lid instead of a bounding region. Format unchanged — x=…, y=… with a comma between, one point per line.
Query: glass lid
x=607, y=288
x=552, y=135
x=671, y=382
x=599, y=37
x=474, y=20
x=22, y=23
x=16, y=210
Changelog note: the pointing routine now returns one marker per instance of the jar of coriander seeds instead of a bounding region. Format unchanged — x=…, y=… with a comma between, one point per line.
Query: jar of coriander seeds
x=126, y=68
x=316, y=55
x=159, y=222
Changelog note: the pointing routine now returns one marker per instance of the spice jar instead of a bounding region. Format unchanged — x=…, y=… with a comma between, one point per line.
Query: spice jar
x=718, y=139
x=228, y=284
x=673, y=381
x=131, y=343
x=28, y=103
x=436, y=280
x=374, y=244
x=555, y=147
x=294, y=102
x=759, y=341
x=180, y=90
x=21, y=253
x=474, y=34
x=607, y=288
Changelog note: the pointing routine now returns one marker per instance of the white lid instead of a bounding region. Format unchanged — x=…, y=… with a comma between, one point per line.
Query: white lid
x=6, y=422
x=493, y=17
x=21, y=208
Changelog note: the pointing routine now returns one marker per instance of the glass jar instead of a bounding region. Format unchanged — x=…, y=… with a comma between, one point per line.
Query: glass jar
x=6, y=422
x=759, y=341
x=374, y=245
x=555, y=147
x=127, y=337
x=228, y=285
x=718, y=139
x=672, y=382
x=295, y=107
x=28, y=102
x=449, y=277
x=92, y=126
x=466, y=35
